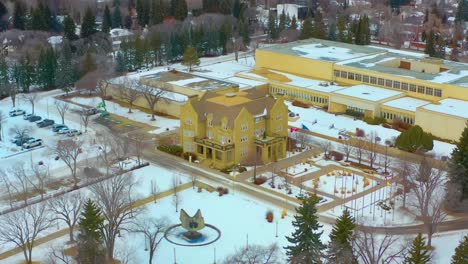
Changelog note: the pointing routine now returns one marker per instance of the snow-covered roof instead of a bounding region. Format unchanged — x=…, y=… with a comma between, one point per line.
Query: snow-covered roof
x=188, y=81
x=406, y=103
x=120, y=32
x=55, y=40
x=369, y=93
x=244, y=83
x=450, y=106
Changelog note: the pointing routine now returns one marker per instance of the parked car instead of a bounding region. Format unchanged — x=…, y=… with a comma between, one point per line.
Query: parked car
x=73, y=132
x=34, y=118
x=21, y=141
x=27, y=116
x=91, y=111
x=57, y=127
x=64, y=130
x=45, y=123
x=32, y=143
x=17, y=112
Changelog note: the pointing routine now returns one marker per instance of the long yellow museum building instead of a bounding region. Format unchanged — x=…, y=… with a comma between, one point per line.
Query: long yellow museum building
x=428, y=92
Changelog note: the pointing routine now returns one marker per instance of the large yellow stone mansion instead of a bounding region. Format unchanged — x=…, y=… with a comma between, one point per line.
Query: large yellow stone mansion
x=428, y=92
x=225, y=129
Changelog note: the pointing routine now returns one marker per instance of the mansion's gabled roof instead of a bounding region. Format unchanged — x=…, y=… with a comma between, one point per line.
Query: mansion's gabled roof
x=229, y=105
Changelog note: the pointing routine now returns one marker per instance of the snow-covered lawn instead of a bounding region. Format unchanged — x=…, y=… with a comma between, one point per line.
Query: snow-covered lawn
x=325, y=123
x=300, y=169
x=161, y=122
x=341, y=186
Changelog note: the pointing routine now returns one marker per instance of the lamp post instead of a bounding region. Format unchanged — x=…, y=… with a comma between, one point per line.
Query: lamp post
x=276, y=228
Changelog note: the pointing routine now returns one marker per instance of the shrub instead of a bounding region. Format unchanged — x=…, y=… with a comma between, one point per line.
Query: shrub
x=415, y=139
x=374, y=121
x=172, y=149
x=386, y=125
x=226, y=191
x=337, y=156
x=300, y=104
x=187, y=154
x=260, y=180
x=398, y=124
x=269, y=216
x=356, y=114
x=360, y=132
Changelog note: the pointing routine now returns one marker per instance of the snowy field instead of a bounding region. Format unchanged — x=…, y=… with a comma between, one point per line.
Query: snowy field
x=300, y=169
x=321, y=122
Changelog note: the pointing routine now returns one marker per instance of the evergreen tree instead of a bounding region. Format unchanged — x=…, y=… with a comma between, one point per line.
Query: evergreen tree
x=418, y=253
x=181, y=11
x=157, y=15
x=307, y=30
x=461, y=252
x=88, y=27
x=65, y=69
x=458, y=166
x=341, y=29
x=116, y=18
x=90, y=248
x=282, y=22
x=293, y=23
x=244, y=31
x=415, y=139
x=106, y=20
x=3, y=17
x=430, y=44
x=19, y=15
x=462, y=12
x=340, y=249
x=332, y=31
x=237, y=9
x=439, y=47
x=306, y=245
x=4, y=72
x=38, y=20
x=46, y=68
x=272, y=27
x=190, y=58
x=25, y=75
x=143, y=12
x=120, y=66
x=69, y=28
x=319, y=29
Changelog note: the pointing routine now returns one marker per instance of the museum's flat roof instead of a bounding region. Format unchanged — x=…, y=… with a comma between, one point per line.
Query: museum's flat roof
x=406, y=103
x=367, y=92
x=450, y=106
x=188, y=80
x=371, y=58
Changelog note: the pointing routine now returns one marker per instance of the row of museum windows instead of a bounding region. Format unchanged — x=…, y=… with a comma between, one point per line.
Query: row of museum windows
x=392, y=116
x=299, y=95
x=388, y=83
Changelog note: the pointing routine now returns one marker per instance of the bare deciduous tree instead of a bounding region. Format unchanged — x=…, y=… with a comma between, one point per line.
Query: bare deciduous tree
x=154, y=190
x=40, y=179
x=427, y=186
x=57, y=255
x=358, y=146
x=11, y=90
x=373, y=248
x=152, y=96
x=31, y=98
x=68, y=150
x=153, y=230
x=84, y=117
x=20, y=132
x=371, y=148
x=21, y=183
x=2, y=121
x=114, y=197
x=386, y=158
x=254, y=254
x=8, y=185
x=128, y=92
x=405, y=170
x=138, y=147
x=67, y=208
x=176, y=199
x=23, y=226
x=102, y=87
x=62, y=109
x=346, y=147
x=326, y=147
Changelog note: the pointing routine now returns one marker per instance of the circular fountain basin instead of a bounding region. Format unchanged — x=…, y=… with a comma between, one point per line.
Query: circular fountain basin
x=209, y=235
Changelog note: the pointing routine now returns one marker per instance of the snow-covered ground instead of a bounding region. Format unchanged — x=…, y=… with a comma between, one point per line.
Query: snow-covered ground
x=161, y=122
x=300, y=169
x=322, y=122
